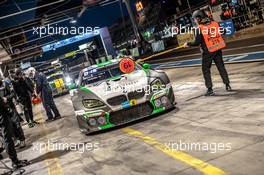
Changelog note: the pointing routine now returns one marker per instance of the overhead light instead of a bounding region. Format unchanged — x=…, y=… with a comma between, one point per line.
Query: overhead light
x=55, y=62
x=73, y=21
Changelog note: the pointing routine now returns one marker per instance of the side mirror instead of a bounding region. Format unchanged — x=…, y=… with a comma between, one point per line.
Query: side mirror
x=146, y=66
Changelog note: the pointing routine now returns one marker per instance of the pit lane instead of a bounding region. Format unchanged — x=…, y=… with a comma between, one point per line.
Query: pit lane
x=235, y=117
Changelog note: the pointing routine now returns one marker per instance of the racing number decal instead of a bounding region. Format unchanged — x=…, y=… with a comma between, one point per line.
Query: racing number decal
x=57, y=83
x=214, y=37
x=61, y=82
x=127, y=65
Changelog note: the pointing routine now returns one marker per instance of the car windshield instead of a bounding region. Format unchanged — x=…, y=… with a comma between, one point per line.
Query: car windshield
x=52, y=78
x=97, y=75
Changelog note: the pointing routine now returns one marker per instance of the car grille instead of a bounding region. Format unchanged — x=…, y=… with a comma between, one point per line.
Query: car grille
x=136, y=94
x=114, y=101
x=130, y=114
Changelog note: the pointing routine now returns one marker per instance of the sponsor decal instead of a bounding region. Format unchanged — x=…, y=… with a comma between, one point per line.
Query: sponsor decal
x=133, y=102
x=125, y=105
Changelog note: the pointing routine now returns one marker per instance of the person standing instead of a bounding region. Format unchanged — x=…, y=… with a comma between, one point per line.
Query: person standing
x=211, y=42
x=13, y=118
x=44, y=90
x=7, y=136
x=23, y=92
x=9, y=84
x=29, y=82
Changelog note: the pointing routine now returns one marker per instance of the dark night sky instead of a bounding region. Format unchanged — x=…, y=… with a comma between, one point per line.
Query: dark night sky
x=100, y=16
x=97, y=16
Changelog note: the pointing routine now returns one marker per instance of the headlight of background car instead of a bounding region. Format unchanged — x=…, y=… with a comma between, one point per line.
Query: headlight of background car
x=68, y=80
x=92, y=103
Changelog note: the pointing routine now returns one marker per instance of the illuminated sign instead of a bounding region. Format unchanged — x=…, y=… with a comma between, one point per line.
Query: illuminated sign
x=70, y=54
x=25, y=65
x=139, y=6
x=68, y=41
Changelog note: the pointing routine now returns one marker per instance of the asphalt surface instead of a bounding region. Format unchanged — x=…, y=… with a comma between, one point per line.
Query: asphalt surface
x=228, y=130
x=228, y=59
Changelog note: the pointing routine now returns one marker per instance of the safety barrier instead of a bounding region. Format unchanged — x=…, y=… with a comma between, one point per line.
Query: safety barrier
x=248, y=19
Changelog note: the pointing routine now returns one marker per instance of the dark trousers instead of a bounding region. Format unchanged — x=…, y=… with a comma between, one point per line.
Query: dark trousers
x=49, y=106
x=27, y=108
x=207, y=60
x=16, y=128
x=7, y=138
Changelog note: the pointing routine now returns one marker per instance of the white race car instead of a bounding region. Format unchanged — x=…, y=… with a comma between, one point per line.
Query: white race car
x=106, y=97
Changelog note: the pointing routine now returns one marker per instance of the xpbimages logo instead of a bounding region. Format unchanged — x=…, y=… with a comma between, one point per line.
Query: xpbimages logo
x=198, y=146
x=131, y=87
x=213, y=31
x=60, y=146
x=59, y=30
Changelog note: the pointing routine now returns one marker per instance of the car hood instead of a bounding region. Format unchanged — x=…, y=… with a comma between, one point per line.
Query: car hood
x=120, y=85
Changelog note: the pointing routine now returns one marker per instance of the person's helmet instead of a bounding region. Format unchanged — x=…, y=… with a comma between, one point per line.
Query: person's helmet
x=199, y=14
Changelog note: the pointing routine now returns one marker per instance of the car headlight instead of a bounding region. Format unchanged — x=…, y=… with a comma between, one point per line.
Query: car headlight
x=157, y=84
x=157, y=103
x=92, y=103
x=68, y=80
x=101, y=120
x=164, y=100
x=92, y=121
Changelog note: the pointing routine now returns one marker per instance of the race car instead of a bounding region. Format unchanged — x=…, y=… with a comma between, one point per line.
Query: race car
x=58, y=84
x=105, y=96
